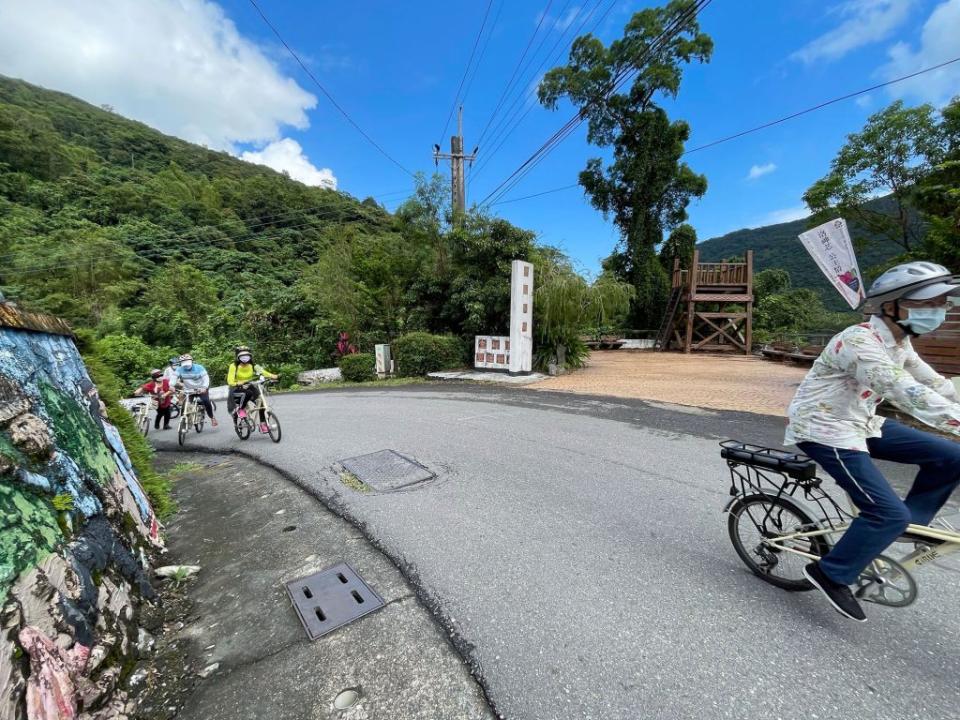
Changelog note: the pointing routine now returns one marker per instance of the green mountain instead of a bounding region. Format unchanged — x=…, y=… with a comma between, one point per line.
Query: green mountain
x=157, y=246
x=777, y=246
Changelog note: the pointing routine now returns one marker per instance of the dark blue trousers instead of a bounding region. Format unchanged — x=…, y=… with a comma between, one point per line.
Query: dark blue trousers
x=883, y=515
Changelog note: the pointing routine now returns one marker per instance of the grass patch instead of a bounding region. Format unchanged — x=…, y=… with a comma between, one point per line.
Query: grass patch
x=182, y=468
x=156, y=485
x=339, y=384
x=354, y=483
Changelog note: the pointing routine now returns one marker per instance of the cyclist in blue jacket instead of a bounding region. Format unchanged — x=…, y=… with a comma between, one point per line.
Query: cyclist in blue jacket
x=194, y=378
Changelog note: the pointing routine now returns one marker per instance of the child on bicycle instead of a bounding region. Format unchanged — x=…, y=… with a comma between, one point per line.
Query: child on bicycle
x=159, y=389
x=833, y=419
x=240, y=377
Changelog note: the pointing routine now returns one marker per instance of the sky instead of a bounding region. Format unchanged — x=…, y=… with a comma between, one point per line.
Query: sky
x=214, y=73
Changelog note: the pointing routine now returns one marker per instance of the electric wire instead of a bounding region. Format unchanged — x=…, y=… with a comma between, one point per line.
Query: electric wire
x=466, y=70
x=567, y=129
x=327, y=94
x=503, y=95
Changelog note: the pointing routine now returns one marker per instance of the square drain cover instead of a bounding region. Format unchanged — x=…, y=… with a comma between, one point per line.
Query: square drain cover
x=331, y=598
x=387, y=470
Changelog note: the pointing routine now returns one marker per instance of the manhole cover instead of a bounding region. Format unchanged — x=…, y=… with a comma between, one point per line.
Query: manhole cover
x=387, y=470
x=331, y=598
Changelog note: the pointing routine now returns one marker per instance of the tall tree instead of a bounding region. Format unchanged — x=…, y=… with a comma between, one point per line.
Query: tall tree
x=646, y=189
x=680, y=244
x=896, y=148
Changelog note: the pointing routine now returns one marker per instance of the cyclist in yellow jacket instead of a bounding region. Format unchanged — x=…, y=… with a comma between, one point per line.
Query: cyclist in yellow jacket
x=241, y=378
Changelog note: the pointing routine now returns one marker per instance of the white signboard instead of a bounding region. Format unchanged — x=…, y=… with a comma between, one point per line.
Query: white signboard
x=491, y=352
x=830, y=247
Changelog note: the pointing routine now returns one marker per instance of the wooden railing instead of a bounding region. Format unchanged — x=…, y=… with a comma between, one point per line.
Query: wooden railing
x=713, y=274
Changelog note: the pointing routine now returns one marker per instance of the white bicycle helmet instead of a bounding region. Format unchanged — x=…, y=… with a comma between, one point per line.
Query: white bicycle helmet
x=918, y=280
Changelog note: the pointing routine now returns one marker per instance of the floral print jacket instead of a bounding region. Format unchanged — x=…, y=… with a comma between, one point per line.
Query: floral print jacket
x=836, y=404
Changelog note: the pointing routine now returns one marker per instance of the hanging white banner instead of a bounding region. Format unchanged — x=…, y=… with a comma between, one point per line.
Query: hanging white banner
x=830, y=247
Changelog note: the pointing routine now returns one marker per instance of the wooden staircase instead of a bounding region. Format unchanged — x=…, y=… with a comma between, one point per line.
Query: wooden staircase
x=669, y=320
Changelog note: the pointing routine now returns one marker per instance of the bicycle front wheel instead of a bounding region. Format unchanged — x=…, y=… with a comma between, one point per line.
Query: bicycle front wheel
x=144, y=424
x=760, y=517
x=273, y=427
x=182, y=431
x=242, y=427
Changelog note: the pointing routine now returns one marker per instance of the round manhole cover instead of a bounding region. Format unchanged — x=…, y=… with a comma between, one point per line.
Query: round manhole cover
x=346, y=699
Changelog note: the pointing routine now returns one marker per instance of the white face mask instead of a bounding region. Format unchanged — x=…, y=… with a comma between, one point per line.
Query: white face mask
x=244, y=359
x=924, y=320
x=186, y=364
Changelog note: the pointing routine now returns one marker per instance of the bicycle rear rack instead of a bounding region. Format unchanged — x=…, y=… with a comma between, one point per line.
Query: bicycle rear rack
x=747, y=479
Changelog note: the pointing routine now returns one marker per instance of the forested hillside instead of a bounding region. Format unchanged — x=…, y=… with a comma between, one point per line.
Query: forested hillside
x=159, y=246
x=777, y=246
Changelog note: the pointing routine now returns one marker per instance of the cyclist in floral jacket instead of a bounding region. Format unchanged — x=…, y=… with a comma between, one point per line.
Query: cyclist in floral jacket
x=833, y=419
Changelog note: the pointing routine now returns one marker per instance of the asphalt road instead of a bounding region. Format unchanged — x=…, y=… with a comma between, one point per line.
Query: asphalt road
x=575, y=550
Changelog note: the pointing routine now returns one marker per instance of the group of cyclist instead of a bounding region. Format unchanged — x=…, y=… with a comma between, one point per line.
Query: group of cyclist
x=184, y=376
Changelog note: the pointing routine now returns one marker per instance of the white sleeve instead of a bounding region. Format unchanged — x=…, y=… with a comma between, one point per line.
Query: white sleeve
x=926, y=375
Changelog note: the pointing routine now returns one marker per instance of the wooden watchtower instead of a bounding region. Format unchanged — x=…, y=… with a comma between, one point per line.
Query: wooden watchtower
x=710, y=307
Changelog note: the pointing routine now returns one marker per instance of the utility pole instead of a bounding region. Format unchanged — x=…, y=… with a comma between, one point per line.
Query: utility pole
x=456, y=157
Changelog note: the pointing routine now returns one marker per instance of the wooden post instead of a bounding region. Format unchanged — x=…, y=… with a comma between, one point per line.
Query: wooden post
x=749, y=332
x=691, y=305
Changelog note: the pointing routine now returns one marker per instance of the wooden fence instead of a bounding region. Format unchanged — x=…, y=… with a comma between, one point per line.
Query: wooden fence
x=942, y=348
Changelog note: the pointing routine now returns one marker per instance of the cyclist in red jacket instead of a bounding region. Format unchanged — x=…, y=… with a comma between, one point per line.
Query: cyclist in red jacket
x=158, y=388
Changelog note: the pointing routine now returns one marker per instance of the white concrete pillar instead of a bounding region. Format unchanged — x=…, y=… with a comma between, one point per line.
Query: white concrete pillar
x=521, y=317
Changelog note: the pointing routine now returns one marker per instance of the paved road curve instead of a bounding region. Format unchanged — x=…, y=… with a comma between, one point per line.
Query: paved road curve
x=576, y=551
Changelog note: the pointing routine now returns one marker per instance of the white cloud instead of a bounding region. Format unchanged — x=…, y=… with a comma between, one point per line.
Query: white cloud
x=287, y=156
x=864, y=101
x=783, y=215
x=757, y=171
x=938, y=43
x=567, y=20
x=864, y=22
x=178, y=65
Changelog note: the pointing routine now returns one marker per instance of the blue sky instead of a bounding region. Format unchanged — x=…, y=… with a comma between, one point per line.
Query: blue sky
x=215, y=73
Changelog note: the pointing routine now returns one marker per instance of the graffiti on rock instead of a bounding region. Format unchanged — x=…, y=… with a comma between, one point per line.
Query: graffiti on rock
x=74, y=522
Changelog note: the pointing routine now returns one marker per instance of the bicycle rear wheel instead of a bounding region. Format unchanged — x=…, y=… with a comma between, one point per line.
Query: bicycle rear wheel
x=200, y=419
x=273, y=427
x=759, y=517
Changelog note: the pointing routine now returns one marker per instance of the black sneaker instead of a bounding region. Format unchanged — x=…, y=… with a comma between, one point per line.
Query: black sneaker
x=839, y=595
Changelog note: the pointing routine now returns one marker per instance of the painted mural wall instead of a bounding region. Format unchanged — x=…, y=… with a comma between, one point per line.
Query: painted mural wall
x=76, y=529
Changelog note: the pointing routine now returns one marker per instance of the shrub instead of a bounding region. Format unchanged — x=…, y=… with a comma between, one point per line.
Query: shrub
x=358, y=367
x=288, y=374
x=420, y=353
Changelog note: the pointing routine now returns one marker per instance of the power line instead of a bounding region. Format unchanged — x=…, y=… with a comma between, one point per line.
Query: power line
x=498, y=133
x=618, y=81
x=503, y=95
x=559, y=136
x=466, y=70
x=161, y=252
x=327, y=94
x=820, y=106
x=772, y=123
x=262, y=220
x=483, y=50
x=535, y=195
x=513, y=110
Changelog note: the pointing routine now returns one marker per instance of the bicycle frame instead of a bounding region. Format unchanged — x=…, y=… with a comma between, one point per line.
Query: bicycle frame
x=747, y=479
x=262, y=403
